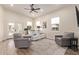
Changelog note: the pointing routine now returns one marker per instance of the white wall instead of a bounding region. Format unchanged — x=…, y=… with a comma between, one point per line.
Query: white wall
x=68, y=22
x=1, y=23
x=11, y=17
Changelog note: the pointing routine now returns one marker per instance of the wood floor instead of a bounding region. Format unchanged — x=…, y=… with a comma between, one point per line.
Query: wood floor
x=7, y=47
x=71, y=52
x=42, y=47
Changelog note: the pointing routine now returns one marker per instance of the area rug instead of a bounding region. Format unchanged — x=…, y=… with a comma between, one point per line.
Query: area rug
x=47, y=47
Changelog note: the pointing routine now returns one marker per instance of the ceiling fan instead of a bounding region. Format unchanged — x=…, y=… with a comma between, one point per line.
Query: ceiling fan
x=32, y=9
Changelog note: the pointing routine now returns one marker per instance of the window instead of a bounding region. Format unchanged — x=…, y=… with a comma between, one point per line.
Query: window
x=38, y=25
x=29, y=23
x=44, y=24
x=11, y=28
x=55, y=23
x=19, y=28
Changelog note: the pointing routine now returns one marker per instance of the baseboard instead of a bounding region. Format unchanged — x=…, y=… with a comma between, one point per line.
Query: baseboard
x=5, y=39
x=1, y=40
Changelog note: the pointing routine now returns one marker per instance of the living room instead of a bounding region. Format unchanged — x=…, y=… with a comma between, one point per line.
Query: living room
x=15, y=18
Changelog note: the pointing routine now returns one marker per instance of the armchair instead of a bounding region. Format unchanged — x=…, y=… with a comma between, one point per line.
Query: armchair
x=21, y=42
x=64, y=40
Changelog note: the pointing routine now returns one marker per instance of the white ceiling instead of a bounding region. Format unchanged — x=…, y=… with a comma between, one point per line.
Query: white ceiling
x=45, y=9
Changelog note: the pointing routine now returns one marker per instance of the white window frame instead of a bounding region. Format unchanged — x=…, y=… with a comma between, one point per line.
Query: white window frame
x=55, y=23
x=11, y=28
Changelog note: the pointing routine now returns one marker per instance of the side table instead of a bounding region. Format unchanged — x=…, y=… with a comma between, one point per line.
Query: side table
x=74, y=44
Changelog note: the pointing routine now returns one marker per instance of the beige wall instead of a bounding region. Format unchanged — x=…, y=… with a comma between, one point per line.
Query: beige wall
x=1, y=23
x=16, y=18
x=11, y=17
x=67, y=21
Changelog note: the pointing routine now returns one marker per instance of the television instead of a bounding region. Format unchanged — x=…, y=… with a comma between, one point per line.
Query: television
x=77, y=14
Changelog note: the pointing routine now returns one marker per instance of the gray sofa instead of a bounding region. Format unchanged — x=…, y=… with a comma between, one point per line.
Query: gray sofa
x=21, y=42
x=37, y=35
x=64, y=40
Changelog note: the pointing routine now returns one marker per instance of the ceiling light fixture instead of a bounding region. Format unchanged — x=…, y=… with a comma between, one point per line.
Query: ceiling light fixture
x=33, y=9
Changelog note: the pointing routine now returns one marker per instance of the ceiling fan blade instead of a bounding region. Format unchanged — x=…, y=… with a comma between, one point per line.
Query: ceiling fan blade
x=37, y=9
x=26, y=9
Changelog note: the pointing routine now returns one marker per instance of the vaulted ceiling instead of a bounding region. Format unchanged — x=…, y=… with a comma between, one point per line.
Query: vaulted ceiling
x=45, y=9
